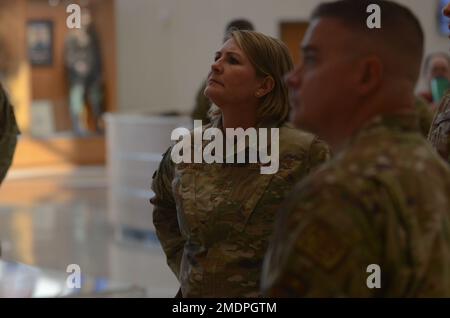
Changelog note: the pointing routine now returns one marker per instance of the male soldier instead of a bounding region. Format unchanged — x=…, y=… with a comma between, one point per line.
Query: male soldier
x=385, y=197
x=8, y=134
x=439, y=135
x=202, y=103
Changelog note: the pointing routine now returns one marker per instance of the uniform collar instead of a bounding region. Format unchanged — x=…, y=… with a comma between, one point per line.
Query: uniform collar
x=267, y=123
x=406, y=123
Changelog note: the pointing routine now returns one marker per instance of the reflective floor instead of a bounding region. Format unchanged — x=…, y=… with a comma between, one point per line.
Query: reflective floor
x=55, y=218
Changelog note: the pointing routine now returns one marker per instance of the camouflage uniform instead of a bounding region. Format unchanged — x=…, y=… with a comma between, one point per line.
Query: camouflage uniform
x=214, y=220
x=439, y=135
x=384, y=199
x=425, y=114
x=8, y=134
x=202, y=105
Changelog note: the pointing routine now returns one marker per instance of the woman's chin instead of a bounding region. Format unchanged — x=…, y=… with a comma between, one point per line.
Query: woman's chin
x=211, y=95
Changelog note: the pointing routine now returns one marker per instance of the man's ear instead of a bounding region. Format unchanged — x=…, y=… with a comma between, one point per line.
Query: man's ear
x=370, y=74
x=265, y=87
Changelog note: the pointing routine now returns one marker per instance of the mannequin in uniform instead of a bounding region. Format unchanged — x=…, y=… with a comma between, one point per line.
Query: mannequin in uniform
x=83, y=63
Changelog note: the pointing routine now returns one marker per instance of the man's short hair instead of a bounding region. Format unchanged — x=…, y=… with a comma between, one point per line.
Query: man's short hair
x=239, y=24
x=400, y=33
x=236, y=25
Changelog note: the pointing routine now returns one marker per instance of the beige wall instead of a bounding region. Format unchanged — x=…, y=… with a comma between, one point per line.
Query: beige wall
x=165, y=47
x=12, y=17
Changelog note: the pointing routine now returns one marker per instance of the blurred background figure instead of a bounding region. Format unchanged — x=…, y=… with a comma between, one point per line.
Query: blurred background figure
x=83, y=63
x=202, y=103
x=437, y=76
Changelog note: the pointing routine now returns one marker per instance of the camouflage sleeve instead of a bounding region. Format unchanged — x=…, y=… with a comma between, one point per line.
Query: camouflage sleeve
x=448, y=143
x=8, y=124
x=8, y=134
x=439, y=134
x=320, y=248
x=319, y=153
x=165, y=213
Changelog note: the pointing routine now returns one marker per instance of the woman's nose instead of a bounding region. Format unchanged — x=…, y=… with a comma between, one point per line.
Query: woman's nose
x=216, y=67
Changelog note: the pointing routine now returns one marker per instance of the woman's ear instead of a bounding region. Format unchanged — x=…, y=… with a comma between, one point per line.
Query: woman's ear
x=265, y=87
x=370, y=75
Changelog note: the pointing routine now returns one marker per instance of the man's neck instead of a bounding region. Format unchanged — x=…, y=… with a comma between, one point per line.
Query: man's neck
x=350, y=128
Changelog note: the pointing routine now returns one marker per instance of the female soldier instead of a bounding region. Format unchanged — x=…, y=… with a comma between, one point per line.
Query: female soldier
x=214, y=220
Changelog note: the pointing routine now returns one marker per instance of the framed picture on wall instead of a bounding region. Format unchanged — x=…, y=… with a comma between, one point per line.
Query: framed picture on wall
x=40, y=42
x=443, y=20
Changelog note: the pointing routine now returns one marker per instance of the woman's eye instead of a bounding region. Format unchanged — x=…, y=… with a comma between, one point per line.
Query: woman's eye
x=233, y=60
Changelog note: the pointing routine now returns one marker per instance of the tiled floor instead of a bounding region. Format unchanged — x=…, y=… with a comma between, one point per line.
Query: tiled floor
x=53, y=219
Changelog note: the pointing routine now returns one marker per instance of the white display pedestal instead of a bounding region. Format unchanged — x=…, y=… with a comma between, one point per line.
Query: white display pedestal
x=135, y=144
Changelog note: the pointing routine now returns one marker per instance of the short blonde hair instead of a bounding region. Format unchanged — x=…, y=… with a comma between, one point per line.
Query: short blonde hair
x=269, y=57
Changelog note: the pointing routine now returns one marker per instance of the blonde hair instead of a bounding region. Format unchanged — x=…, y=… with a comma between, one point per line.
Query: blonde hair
x=269, y=57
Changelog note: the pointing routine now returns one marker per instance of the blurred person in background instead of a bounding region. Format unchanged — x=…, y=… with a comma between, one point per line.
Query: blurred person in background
x=437, y=77
x=84, y=70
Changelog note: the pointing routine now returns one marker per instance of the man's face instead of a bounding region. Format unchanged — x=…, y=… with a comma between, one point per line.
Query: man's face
x=321, y=88
x=439, y=67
